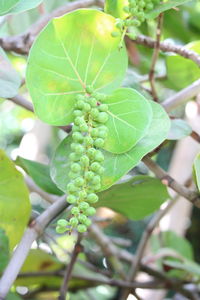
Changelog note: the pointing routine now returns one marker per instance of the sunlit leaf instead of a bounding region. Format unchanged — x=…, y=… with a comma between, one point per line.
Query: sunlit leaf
x=161, y=7
x=135, y=199
x=130, y=115
x=9, y=78
x=179, y=129
x=115, y=8
x=14, y=201
x=4, y=250
x=71, y=52
x=116, y=165
x=40, y=174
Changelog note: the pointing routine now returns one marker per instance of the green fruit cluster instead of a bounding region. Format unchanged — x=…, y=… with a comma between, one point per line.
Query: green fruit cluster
x=88, y=134
x=136, y=14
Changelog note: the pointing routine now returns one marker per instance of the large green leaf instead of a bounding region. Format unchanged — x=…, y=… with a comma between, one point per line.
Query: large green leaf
x=9, y=78
x=14, y=201
x=130, y=115
x=71, y=52
x=179, y=129
x=115, y=8
x=6, y=5
x=24, y=5
x=116, y=165
x=40, y=173
x=197, y=170
x=4, y=250
x=161, y=7
x=181, y=71
x=135, y=199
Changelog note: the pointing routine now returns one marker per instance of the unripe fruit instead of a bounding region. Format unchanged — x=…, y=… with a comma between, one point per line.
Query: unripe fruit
x=92, y=198
x=93, y=102
x=87, y=222
x=99, y=157
x=90, y=211
x=94, y=113
x=87, y=107
x=103, y=117
x=99, y=143
x=73, y=221
x=71, y=187
x=72, y=175
x=77, y=137
x=84, y=160
x=79, y=120
x=81, y=228
x=77, y=113
x=73, y=157
x=96, y=180
x=94, y=132
x=83, y=206
x=79, y=181
x=80, y=97
x=91, y=152
x=62, y=223
x=89, y=89
x=103, y=107
x=83, y=127
x=80, y=104
x=95, y=166
x=79, y=149
x=82, y=218
x=115, y=34
x=75, y=167
x=61, y=229
x=75, y=211
x=71, y=199
x=82, y=195
x=89, y=175
x=88, y=141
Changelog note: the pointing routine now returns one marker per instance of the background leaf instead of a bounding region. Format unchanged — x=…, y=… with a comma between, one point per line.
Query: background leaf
x=71, y=52
x=40, y=173
x=14, y=201
x=4, y=250
x=6, y=5
x=179, y=129
x=159, y=8
x=197, y=170
x=9, y=78
x=116, y=165
x=135, y=199
x=115, y=8
x=24, y=5
x=130, y=115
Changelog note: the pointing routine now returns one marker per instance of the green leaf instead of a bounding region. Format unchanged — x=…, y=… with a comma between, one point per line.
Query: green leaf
x=9, y=78
x=135, y=199
x=130, y=115
x=197, y=170
x=40, y=173
x=71, y=52
x=12, y=296
x=181, y=71
x=116, y=165
x=187, y=266
x=6, y=5
x=14, y=201
x=159, y=8
x=4, y=250
x=24, y=5
x=115, y=8
x=179, y=129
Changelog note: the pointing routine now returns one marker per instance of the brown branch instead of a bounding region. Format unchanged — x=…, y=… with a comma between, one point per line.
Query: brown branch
x=67, y=276
x=155, y=58
x=168, y=47
x=21, y=101
x=21, y=43
x=166, y=179
x=34, y=230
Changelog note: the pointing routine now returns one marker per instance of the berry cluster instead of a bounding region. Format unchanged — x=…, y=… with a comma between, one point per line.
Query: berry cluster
x=88, y=135
x=136, y=14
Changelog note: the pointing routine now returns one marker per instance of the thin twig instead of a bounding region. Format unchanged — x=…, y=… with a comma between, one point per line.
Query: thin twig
x=166, y=179
x=155, y=58
x=67, y=276
x=34, y=230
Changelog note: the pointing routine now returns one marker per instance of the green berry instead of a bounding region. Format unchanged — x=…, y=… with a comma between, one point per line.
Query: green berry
x=96, y=180
x=71, y=199
x=79, y=120
x=87, y=107
x=82, y=218
x=77, y=137
x=72, y=175
x=79, y=181
x=92, y=198
x=91, y=152
x=103, y=117
x=81, y=228
x=75, y=211
x=80, y=104
x=84, y=160
x=77, y=113
x=94, y=132
x=73, y=157
x=71, y=187
x=79, y=149
x=82, y=195
x=62, y=223
x=75, y=167
x=83, y=206
x=99, y=143
x=103, y=107
x=89, y=89
x=89, y=175
x=94, y=113
x=61, y=229
x=99, y=157
x=73, y=221
x=93, y=102
x=95, y=166
x=90, y=211
x=87, y=222
x=80, y=97
x=84, y=127
x=115, y=34
x=88, y=141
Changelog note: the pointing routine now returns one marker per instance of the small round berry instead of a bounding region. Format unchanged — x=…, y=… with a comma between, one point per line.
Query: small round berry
x=82, y=218
x=91, y=152
x=103, y=134
x=90, y=211
x=103, y=117
x=87, y=107
x=115, y=34
x=73, y=157
x=89, y=175
x=88, y=141
x=94, y=113
x=71, y=199
x=99, y=143
x=101, y=170
x=79, y=181
x=92, y=198
x=83, y=206
x=87, y=222
x=82, y=195
x=93, y=102
x=103, y=107
x=79, y=149
x=72, y=175
x=71, y=187
x=96, y=180
x=81, y=228
x=75, y=211
x=61, y=229
x=80, y=97
x=77, y=137
x=73, y=221
x=80, y=104
x=79, y=120
x=75, y=167
x=95, y=166
x=77, y=113
x=97, y=187
x=84, y=127
x=84, y=160
x=99, y=157
x=62, y=223
x=94, y=132
x=89, y=89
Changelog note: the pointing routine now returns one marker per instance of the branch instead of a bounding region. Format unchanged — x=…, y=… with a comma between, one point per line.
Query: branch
x=67, y=276
x=179, y=98
x=21, y=101
x=155, y=57
x=21, y=43
x=166, y=179
x=168, y=47
x=34, y=230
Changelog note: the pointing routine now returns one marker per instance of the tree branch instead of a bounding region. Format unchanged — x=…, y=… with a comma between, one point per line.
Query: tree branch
x=33, y=231
x=166, y=179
